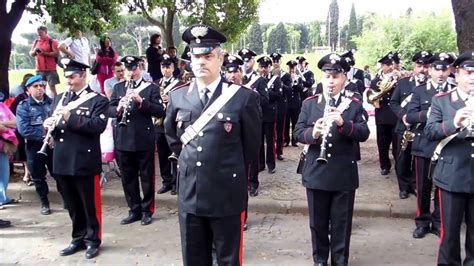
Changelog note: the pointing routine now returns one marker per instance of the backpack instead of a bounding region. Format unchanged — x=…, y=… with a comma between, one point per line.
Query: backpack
x=50, y=41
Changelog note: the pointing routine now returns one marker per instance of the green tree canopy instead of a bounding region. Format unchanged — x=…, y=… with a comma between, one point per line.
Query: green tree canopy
x=332, y=22
x=406, y=35
x=255, y=38
x=352, y=29
x=277, y=39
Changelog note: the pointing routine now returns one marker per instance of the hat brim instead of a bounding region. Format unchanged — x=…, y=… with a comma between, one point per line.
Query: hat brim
x=68, y=73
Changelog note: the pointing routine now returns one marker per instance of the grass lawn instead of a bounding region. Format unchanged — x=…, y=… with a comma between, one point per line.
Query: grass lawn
x=15, y=77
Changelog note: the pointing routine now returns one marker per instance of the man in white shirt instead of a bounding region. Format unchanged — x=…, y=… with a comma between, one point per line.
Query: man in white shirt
x=76, y=48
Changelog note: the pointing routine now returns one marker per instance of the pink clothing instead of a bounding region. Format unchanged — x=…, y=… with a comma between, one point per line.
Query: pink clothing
x=45, y=63
x=7, y=115
x=105, y=71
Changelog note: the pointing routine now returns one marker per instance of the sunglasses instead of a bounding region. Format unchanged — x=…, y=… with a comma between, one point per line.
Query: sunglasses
x=38, y=86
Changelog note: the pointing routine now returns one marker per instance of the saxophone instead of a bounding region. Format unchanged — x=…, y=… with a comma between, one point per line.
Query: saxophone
x=384, y=85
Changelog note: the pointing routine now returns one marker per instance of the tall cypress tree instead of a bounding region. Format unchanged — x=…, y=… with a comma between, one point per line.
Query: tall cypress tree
x=332, y=21
x=277, y=39
x=352, y=29
x=255, y=38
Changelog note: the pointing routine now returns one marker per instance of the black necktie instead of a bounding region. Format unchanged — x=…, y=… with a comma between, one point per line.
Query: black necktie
x=440, y=88
x=332, y=102
x=72, y=96
x=205, y=98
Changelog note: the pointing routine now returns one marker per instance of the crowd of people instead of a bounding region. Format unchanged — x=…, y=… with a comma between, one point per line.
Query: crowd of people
x=251, y=108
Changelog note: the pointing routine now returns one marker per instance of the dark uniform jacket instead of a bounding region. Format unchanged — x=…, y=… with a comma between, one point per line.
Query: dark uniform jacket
x=402, y=90
x=260, y=86
x=211, y=168
x=138, y=134
x=417, y=115
x=295, y=94
x=275, y=93
x=454, y=169
x=77, y=142
x=340, y=173
x=309, y=79
x=383, y=115
x=30, y=116
x=160, y=83
x=286, y=84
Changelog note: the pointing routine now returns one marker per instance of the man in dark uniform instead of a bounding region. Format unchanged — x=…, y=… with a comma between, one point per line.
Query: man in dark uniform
x=450, y=121
x=212, y=185
x=79, y=117
x=355, y=75
x=330, y=124
x=385, y=119
x=275, y=93
x=256, y=82
x=294, y=101
x=167, y=168
x=422, y=148
x=134, y=102
x=30, y=116
x=307, y=77
x=282, y=103
x=400, y=98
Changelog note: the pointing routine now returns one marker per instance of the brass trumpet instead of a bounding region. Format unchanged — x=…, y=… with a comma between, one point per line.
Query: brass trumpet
x=407, y=137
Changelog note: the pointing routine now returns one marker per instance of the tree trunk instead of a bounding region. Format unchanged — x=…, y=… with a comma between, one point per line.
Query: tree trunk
x=464, y=18
x=8, y=22
x=168, y=30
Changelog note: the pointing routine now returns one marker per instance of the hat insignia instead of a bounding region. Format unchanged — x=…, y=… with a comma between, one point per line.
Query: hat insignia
x=166, y=57
x=129, y=59
x=199, y=31
x=245, y=51
x=443, y=56
x=424, y=54
x=65, y=61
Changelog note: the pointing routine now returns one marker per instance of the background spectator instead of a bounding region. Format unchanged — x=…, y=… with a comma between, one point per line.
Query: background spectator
x=45, y=50
x=119, y=76
x=105, y=57
x=154, y=56
x=7, y=139
x=76, y=47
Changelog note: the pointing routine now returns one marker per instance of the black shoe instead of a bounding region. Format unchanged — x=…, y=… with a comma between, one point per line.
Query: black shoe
x=71, y=249
x=245, y=227
x=4, y=223
x=92, y=252
x=435, y=231
x=320, y=264
x=421, y=231
x=146, y=219
x=45, y=210
x=132, y=217
x=412, y=191
x=384, y=172
x=280, y=158
x=253, y=191
x=287, y=144
x=173, y=190
x=403, y=194
x=271, y=170
x=164, y=189
x=294, y=144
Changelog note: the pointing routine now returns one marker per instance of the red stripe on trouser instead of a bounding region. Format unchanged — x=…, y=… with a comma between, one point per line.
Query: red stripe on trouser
x=283, y=133
x=441, y=233
x=274, y=140
x=153, y=177
x=242, y=221
x=98, y=204
x=418, y=212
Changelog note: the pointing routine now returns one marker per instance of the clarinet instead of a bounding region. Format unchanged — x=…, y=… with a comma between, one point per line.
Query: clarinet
x=123, y=120
x=49, y=133
x=470, y=126
x=323, y=153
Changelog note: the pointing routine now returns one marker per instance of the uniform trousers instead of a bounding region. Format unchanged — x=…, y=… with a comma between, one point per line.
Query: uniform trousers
x=333, y=208
x=291, y=117
x=200, y=233
x=424, y=186
x=268, y=137
x=168, y=175
x=456, y=207
x=81, y=195
x=37, y=163
x=386, y=136
x=280, y=132
x=403, y=166
x=137, y=169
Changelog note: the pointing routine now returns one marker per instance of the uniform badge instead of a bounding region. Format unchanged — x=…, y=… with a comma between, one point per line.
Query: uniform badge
x=102, y=116
x=227, y=127
x=180, y=124
x=78, y=112
x=220, y=115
